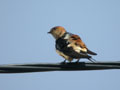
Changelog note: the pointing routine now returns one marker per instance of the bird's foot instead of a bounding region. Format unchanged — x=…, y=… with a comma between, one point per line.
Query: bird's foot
x=64, y=62
x=77, y=61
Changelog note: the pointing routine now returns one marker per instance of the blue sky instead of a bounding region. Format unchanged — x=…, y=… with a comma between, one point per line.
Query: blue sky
x=23, y=36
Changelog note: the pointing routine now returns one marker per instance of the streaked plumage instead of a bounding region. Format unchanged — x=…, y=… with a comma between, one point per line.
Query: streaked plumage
x=70, y=46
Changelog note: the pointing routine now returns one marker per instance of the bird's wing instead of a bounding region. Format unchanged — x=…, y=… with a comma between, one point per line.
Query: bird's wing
x=79, y=45
x=63, y=46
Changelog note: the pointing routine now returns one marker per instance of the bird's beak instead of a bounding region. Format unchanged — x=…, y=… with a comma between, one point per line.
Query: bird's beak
x=49, y=32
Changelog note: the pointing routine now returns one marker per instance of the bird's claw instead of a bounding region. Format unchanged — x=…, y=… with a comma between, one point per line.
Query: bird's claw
x=64, y=62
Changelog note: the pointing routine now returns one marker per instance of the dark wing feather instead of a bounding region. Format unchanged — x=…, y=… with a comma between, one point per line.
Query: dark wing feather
x=61, y=45
x=80, y=43
x=91, y=52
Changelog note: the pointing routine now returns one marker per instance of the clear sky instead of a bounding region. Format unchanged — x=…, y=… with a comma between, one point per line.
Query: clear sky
x=23, y=39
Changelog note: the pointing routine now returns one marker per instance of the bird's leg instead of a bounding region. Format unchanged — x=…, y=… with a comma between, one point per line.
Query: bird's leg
x=63, y=62
x=70, y=61
x=78, y=60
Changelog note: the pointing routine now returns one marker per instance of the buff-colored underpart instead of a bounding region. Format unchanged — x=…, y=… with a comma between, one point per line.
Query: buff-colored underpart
x=64, y=56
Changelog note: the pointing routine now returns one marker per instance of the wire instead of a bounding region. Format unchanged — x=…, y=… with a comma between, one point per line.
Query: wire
x=44, y=67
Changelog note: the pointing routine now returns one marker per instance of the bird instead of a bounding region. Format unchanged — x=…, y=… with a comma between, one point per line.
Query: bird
x=70, y=46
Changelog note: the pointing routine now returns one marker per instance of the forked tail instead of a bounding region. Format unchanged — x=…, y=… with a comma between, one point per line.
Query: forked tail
x=92, y=60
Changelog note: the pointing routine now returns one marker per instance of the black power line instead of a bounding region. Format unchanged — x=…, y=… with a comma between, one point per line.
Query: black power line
x=42, y=67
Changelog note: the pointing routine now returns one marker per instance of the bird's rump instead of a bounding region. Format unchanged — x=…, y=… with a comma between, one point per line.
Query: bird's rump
x=79, y=43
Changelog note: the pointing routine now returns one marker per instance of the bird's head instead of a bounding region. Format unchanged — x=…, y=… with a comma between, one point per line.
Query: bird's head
x=57, y=32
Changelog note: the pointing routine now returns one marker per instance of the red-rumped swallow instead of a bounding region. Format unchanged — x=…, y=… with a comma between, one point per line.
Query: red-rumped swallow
x=70, y=46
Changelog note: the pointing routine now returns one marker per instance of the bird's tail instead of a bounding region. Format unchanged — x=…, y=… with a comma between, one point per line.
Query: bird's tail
x=92, y=60
x=90, y=52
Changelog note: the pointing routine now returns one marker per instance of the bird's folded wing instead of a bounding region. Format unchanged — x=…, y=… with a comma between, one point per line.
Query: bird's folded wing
x=70, y=49
x=77, y=44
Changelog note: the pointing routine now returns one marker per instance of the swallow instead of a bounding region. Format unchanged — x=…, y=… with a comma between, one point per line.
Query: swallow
x=70, y=46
